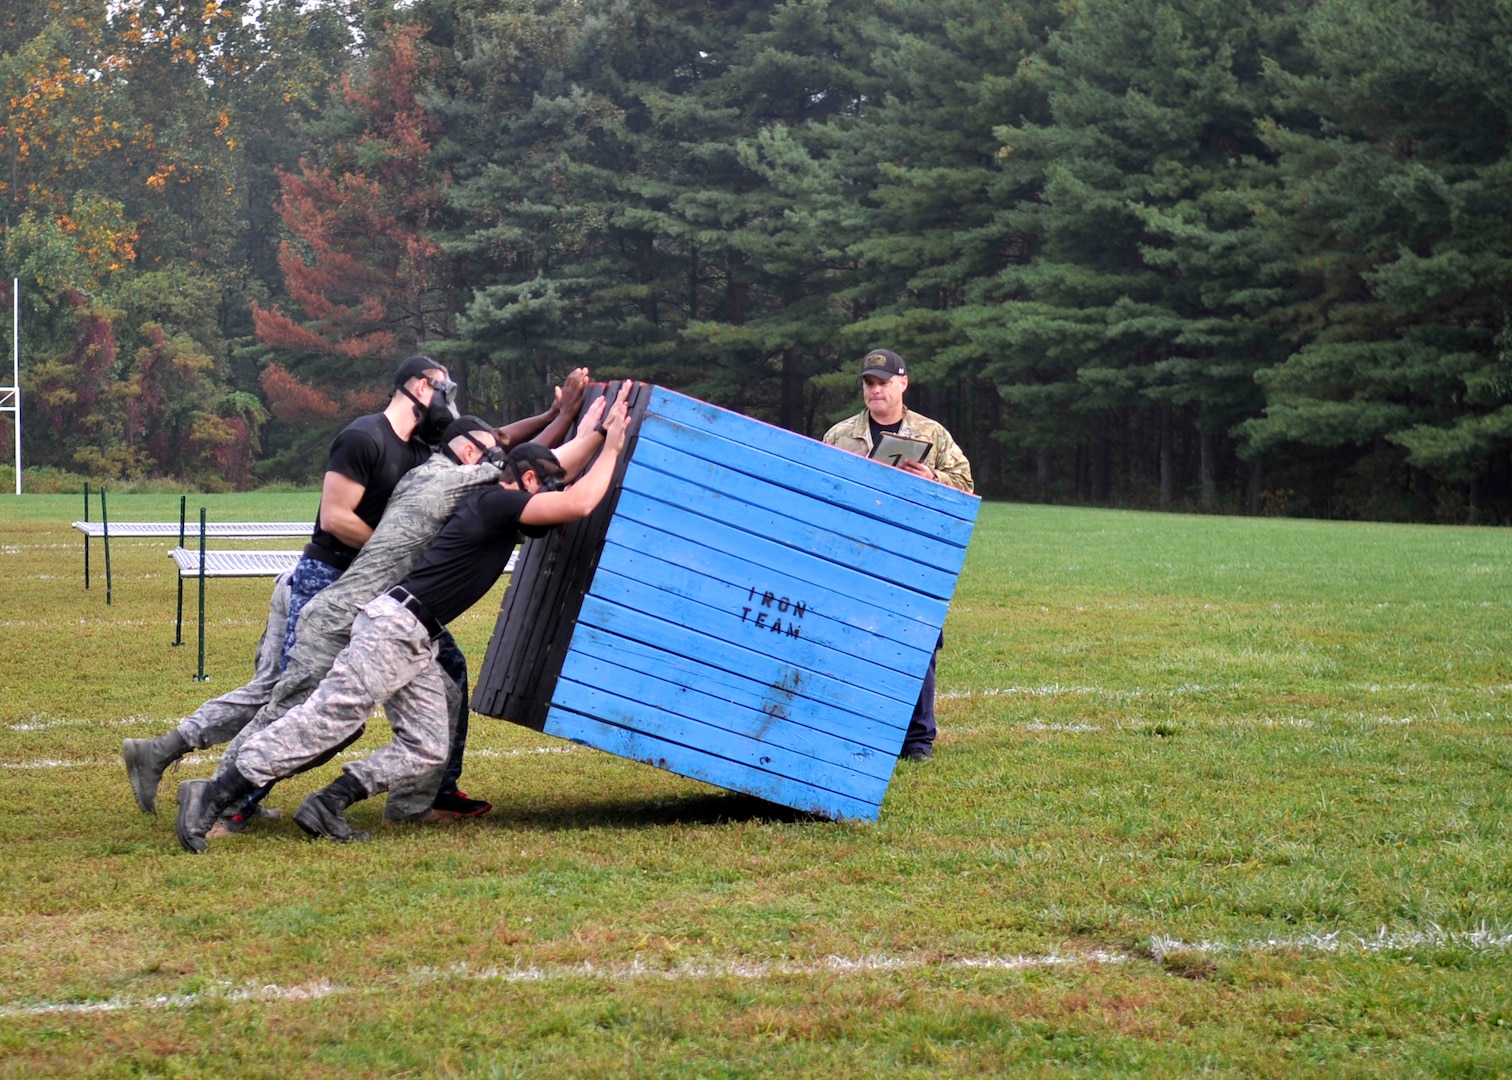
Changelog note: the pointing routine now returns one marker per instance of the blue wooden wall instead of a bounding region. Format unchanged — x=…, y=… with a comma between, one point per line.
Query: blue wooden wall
x=763, y=611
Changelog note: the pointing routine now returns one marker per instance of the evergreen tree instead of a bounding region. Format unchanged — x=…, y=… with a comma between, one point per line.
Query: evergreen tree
x=1126, y=336
x=1396, y=209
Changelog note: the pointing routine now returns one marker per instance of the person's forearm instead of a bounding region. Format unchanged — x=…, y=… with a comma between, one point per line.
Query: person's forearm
x=553, y=433
x=345, y=526
x=575, y=455
x=592, y=486
x=525, y=430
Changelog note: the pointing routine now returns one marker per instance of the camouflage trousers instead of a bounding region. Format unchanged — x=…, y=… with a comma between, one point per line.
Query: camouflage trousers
x=219, y=719
x=411, y=800
x=391, y=661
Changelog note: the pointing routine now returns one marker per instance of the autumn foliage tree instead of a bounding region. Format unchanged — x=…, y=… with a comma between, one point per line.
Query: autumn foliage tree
x=361, y=264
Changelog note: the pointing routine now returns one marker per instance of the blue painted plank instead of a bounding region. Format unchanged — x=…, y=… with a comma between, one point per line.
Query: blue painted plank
x=625, y=706
x=678, y=474
x=742, y=688
x=895, y=568
x=747, y=431
x=716, y=423
x=700, y=766
x=730, y=551
x=816, y=754
x=780, y=638
x=704, y=523
x=782, y=677
x=822, y=477
x=829, y=624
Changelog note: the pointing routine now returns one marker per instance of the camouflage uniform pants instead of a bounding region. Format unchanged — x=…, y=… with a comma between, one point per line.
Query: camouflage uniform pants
x=219, y=719
x=391, y=661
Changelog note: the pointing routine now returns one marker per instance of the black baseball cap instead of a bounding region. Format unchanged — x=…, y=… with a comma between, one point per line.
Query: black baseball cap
x=537, y=459
x=883, y=363
x=415, y=367
x=466, y=424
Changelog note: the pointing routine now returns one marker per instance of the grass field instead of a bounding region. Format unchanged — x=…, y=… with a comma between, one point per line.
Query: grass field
x=1213, y=795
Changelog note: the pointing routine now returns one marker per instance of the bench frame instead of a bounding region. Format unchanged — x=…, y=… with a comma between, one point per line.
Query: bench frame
x=232, y=530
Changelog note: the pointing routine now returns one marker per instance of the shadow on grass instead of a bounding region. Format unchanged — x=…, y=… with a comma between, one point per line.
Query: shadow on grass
x=713, y=808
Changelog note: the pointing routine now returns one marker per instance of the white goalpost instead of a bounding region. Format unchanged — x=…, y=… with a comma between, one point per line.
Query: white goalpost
x=10, y=396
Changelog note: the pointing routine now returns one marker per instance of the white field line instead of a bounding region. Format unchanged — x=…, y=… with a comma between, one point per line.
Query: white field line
x=1481, y=939
x=211, y=759
x=44, y=722
x=1161, y=946
x=1080, y=690
x=637, y=969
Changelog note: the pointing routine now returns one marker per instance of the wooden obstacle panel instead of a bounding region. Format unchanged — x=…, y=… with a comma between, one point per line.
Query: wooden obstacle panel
x=749, y=607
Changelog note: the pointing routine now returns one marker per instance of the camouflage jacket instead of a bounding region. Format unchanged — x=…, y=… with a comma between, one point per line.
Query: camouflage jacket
x=419, y=507
x=944, y=457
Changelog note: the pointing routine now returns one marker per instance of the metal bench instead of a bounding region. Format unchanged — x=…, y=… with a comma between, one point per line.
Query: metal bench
x=234, y=563
x=105, y=529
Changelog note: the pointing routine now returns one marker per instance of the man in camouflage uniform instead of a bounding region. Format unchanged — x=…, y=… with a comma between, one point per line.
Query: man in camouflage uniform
x=884, y=379
x=421, y=504
x=391, y=657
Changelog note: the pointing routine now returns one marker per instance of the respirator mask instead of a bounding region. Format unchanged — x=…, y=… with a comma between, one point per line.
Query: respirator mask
x=431, y=420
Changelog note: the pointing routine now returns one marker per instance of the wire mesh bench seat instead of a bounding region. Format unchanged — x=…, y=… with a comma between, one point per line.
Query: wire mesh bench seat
x=234, y=563
x=218, y=530
x=249, y=563
x=106, y=530
x=266, y=563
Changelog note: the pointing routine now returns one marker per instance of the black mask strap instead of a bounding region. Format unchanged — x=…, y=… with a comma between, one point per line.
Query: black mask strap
x=420, y=409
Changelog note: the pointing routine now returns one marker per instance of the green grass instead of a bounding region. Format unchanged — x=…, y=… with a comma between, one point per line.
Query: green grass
x=1212, y=795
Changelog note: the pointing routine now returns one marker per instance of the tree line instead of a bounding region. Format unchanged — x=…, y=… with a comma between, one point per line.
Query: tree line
x=1242, y=255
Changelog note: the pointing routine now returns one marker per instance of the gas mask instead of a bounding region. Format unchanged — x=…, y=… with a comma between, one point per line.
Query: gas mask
x=545, y=481
x=431, y=420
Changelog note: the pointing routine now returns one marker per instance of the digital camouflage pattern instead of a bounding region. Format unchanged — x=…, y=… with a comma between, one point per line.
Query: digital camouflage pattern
x=219, y=719
x=421, y=504
x=419, y=507
x=946, y=458
x=390, y=661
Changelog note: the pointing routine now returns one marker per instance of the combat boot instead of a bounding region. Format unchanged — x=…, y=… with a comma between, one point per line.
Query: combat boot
x=147, y=760
x=323, y=812
x=201, y=802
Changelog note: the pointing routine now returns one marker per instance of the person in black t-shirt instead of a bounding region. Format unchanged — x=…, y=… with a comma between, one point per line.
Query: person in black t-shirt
x=366, y=460
x=391, y=659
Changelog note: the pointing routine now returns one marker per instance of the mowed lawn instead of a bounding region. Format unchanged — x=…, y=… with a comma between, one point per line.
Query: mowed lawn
x=1213, y=795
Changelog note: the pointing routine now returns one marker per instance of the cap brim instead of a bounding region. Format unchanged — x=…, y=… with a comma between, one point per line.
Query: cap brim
x=879, y=372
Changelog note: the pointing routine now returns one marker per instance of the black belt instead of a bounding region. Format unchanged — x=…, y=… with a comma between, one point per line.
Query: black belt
x=322, y=554
x=412, y=603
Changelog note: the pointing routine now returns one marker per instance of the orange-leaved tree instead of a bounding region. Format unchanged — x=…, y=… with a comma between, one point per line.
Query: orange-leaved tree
x=361, y=262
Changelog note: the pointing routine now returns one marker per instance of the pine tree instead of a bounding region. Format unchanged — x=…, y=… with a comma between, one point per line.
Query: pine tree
x=1126, y=335
x=1397, y=213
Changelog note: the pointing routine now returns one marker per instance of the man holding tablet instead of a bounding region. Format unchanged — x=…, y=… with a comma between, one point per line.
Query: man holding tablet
x=890, y=432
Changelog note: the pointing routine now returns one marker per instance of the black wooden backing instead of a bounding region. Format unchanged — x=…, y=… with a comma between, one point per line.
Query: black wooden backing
x=545, y=594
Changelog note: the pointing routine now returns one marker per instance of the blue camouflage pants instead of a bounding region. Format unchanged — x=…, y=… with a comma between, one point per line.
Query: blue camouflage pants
x=310, y=576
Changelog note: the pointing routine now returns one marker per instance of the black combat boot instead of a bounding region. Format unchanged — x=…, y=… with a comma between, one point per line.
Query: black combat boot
x=147, y=760
x=323, y=812
x=202, y=801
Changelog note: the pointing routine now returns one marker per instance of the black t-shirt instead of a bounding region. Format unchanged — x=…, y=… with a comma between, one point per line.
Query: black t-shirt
x=468, y=554
x=877, y=429
x=368, y=452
